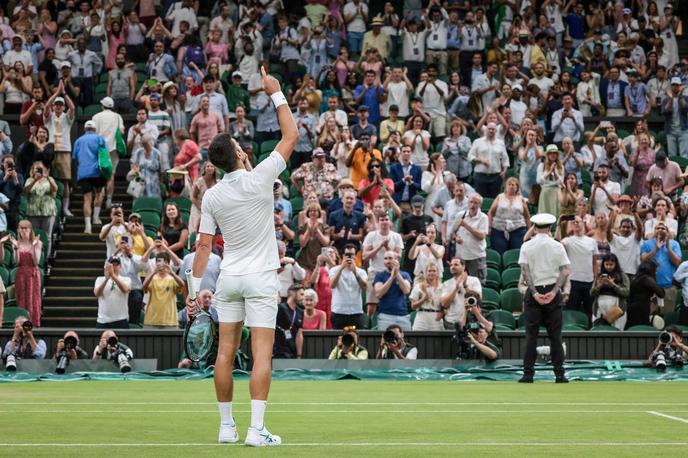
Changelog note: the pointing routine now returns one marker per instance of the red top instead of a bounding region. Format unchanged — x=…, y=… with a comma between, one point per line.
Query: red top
x=373, y=192
x=314, y=322
x=189, y=151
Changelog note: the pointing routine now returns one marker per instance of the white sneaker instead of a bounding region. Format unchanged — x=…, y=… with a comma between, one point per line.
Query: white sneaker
x=261, y=438
x=97, y=221
x=228, y=434
x=66, y=212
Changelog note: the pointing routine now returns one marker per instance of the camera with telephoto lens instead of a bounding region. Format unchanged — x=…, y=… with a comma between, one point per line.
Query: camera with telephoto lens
x=471, y=301
x=666, y=355
x=11, y=362
x=461, y=335
x=665, y=338
x=63, y=357
x=119, y=356
x=348, y=340
x=389, y=337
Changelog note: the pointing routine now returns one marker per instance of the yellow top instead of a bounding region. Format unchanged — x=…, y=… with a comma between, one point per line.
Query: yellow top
x=162, y=305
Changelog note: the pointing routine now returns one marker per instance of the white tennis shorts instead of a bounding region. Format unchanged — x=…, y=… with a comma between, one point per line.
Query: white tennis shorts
x=251, y=298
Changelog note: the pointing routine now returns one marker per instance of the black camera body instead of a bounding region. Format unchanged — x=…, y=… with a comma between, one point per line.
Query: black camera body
x=348, y=340
x=666, y=356
x=389, y=337
x=70, y=343
x=120, y=355
x=461, y=337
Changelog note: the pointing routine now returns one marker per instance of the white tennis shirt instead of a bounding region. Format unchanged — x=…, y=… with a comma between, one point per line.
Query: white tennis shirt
x=242, y=206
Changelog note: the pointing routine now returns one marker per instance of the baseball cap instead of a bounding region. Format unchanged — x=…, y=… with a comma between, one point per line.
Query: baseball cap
x=319, y=152
x=107, y=102
x=626, y=11
x=89, y=125
x=155, y=96
x=625, y=198
x=362, y=108
x=552, y=149
x=114, y=259
x=66, y=64
x=237, y=73
x=59, y=100
x=676, y=80
x=661, y=157
x=517, y=87
x=134, y=215
x=417, y=201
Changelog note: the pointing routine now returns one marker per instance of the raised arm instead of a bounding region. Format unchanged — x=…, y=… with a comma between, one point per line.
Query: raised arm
x=290, y=133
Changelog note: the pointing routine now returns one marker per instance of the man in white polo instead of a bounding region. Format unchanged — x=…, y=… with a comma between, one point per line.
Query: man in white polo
x=545, y=269
x=375, y=245
x=242, y=206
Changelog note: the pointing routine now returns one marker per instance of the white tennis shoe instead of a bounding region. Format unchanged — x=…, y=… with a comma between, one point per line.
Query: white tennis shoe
x=228, y=434
x=261, y=438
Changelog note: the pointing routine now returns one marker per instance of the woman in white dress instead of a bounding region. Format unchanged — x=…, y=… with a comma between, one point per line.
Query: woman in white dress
x=432, y=181
x=426, y=251
x=667, y=32
x=425, y=300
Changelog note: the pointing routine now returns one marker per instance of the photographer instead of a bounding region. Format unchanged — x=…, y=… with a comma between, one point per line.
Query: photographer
x=393, y=345
x=112, y=349
x=480, y=347
x=23, y=344
x=474, y=322
x=67, y=349
x=670, y=350
x=347, y=346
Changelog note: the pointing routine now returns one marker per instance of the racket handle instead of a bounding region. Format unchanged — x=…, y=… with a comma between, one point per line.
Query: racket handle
x=190, y=284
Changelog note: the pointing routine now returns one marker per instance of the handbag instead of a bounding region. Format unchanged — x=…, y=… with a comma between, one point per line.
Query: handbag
x=613, y=314
x=121, y=146
x=136, y=187
x=104, y=162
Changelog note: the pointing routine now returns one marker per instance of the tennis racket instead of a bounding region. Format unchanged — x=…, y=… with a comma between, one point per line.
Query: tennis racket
x=200, y=335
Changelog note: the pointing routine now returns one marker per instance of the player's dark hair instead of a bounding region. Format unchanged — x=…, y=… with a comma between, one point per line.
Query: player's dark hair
x=222, y=153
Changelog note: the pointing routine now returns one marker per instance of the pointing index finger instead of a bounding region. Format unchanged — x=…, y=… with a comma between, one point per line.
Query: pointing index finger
x=263, y=72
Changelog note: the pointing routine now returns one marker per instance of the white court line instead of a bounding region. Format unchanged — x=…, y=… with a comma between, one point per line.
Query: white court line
x=659, y=414
x=368, y=444
x=354, y=412
x=581, y=404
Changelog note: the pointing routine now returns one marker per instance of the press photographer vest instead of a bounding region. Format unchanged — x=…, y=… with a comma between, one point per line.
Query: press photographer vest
x=386, y=354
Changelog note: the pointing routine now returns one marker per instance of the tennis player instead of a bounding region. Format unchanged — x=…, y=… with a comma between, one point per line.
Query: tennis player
x=242, y=206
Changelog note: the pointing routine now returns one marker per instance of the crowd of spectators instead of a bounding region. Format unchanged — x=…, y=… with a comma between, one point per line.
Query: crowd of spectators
x=430, y=131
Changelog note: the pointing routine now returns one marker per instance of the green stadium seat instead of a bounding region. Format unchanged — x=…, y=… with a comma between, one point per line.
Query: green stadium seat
x=502, y=318
x=494, y=280
x=296, y=205
x=521, y=323
x=494, y=260
x=510, y=258
x=490, y=299
x=90, y=110
x=671, y=318
x=8, y=261
x=511, y=277
x=586, y=176
x=268, y=146
x=511, y=300
x=5, y=276
x=183, y=203
x=150, y=220
x=487, y=203
x=12, y=313
x=151, y=204
x=571, y=327
x=603, y=327
x=642, y=327
x=681, y=161
x=576, y=318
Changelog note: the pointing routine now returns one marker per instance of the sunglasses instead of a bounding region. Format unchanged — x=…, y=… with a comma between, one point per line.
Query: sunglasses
x=375, y=166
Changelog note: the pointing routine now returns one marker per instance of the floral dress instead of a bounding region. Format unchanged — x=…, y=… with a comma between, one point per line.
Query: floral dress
x=149, y=169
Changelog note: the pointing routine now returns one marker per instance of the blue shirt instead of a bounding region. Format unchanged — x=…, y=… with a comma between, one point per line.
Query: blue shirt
x=453, y=37
x=666, y=270
x=614, y=95
x=681, y=276
x=11, y=190
x=353, y=223
x=394, y=301
x=637, y=97
x=370, y=100
x=576, y=25
x=183, y=318
x=86, y=153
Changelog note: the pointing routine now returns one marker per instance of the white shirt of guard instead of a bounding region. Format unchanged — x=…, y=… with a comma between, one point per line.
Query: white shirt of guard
x=544, y=270
x=239, y=197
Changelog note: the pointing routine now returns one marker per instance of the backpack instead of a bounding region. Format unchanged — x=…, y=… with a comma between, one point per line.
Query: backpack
x=194, y=54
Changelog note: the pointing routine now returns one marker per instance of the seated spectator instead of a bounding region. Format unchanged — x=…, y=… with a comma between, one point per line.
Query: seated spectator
x=319, y=176
x=314, y=236
x=24, y=345
x=454, y=291
x=347, y=282
x=146, y=165
x=162, y=285
x=290, y=271
x=666, y=252
x=426, y=251
x=609, y=294
x=289, y=327
x=469, y=233
x=212, y=270
x=312, y=317
x=173, y=230
x=37, y=148
x=347, y=346
x=204, y=299
x=508, y=218
x=188, y=156
x=369, y=188
x=425, y=300
x=112, y=291
x=391, y=287
x=397, y=348
x=320, y=281
x=40, y=191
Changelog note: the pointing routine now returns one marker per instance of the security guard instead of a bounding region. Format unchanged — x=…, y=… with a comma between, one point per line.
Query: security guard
x=545, y=268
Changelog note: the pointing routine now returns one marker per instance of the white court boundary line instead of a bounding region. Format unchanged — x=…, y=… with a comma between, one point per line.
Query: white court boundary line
x=581, y=404
x=354, y=412
x=366, y=444
x=659, y=414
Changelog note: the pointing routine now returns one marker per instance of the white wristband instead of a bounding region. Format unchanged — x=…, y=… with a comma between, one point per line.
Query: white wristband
x=278, y=99
x=196, y=284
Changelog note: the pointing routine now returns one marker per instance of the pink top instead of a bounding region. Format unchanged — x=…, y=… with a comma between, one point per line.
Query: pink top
x=188, y=152
x=206, y=127
x=313, y=323
x=374, y=192
x=217, y=50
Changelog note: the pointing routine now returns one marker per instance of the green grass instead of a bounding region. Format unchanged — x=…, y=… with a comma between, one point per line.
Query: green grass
x=348, y=418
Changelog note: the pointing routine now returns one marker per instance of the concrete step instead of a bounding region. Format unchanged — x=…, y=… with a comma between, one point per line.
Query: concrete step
x=72, y=280
x=69, y=291
x=68, y=322
x=70, y=301
x=79, y=254
x=68, y=265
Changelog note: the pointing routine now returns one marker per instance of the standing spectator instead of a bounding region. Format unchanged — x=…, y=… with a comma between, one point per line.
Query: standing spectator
x=669, y=172
x=434, y=94
x=86, y=64
x=581, y=251
x=346, y=224
x=453, y=209
x=626, y=244
x=436, y=25
x=419, y=141
x=236, y=94
x=636, y=97
x=189, y=155
x=161, y=66
x=305, y=122
x=289, y=272
x=142, y=127
x=347, y=282
x=109, y=125
x=132, y=267
x=40, y=190
x=666, y=252
x=173, y=230
x=27, y=251
x=407, y=179
x=455, y=150
x=643, y=291
x=359, y=156
x=609, y=292
x=111, y=232
x=567, y=121
x=470, y=44
x=397, y=87
x=375, y=246
x=162, y=120
x=355, y=15
x=146, y=164
x=486, y=86
x=206, y=124
x=289, y=327
x=432, y=180
x=612, y=91
x=112, y=291
x=509, y=218
x=454, y=291
x=88, y=177
x=604, y=192
x=207, y=180
x=469, y=231
x=313, y=237
x=529, y=156
x=11, y=187
x=675, y=110
x=318, y=176
x=370, y=95
x=413, y=49
x=550, y=177
x=642, y=159
x=425, y=299
x=59, y=123
x=241, y=129
x=370, y=188
x=377, y=39
x=413, y=226
x=491, y=161
x=391, y=287
x=212, y=270
x=426, y=251
x=122, y=86
x=163, y=285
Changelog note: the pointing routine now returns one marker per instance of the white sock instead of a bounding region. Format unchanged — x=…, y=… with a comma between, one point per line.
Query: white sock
x=96, y=213
x=87, y=221
x=225, y=413
x=258, y=413
x=108, y=202
x=65, y=204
